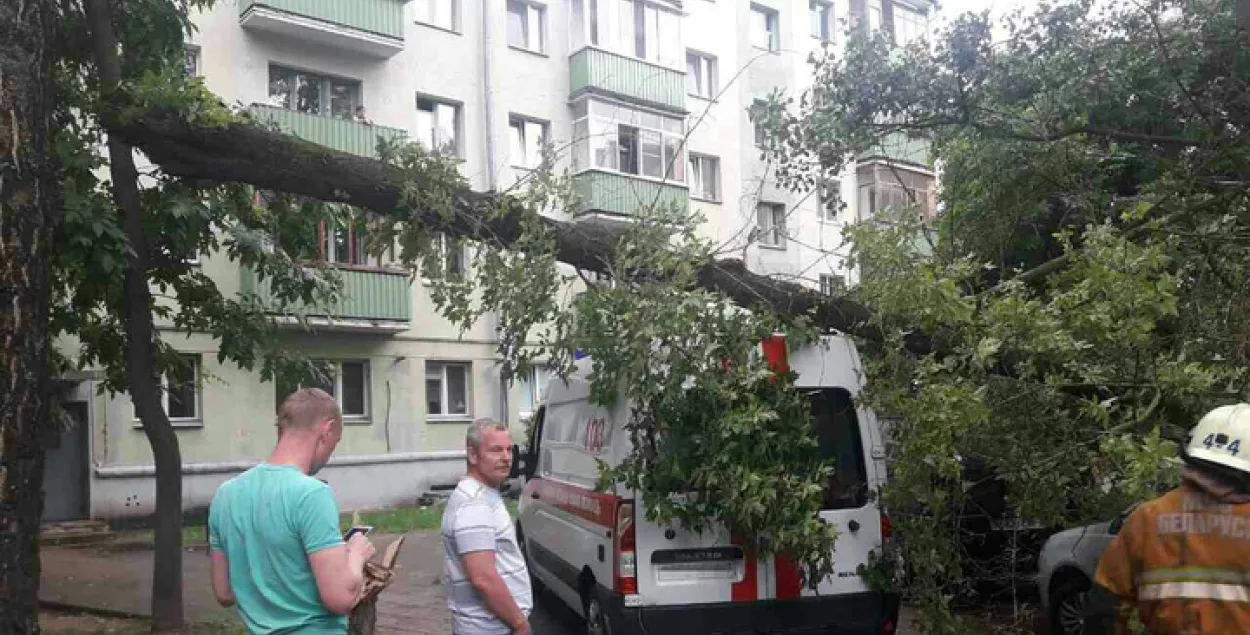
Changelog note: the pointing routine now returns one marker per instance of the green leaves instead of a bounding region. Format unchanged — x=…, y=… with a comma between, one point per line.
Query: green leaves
x=1085, y=284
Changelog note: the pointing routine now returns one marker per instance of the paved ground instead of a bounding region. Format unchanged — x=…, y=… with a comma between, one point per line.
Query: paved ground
x=118, y=578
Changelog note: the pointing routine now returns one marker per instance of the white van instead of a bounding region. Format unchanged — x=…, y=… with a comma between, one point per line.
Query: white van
x=598, y=554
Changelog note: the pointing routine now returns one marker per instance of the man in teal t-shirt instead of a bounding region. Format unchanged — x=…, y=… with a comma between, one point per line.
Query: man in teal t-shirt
x=274, y=531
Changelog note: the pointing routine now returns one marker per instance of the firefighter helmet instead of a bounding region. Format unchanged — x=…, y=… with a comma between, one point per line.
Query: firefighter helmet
x=1222, y=437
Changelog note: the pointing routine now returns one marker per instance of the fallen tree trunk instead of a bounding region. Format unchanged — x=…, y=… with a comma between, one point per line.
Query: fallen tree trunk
x=252, y=154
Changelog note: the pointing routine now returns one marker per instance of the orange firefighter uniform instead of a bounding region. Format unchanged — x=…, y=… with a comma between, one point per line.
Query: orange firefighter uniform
x=1183, y=561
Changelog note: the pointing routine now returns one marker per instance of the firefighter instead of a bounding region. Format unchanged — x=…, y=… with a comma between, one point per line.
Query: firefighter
x=1183, y=560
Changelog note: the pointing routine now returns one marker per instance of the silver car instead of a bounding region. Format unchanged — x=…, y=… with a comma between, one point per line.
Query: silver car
x=1065, y=573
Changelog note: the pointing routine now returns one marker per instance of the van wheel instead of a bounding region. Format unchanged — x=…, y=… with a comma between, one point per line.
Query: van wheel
x=596, y=618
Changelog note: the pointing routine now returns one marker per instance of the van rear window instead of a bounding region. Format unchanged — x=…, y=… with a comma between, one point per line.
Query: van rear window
x=837, y=431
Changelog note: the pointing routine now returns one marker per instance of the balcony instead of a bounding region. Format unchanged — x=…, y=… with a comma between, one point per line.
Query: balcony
x=623, y=195
x=594, y=70
x=340, y=134
x=372, y=300
x=370, y=27
x=903, y=149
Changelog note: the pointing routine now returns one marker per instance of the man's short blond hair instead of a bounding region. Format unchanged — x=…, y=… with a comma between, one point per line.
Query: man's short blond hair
x=473, y=436
x=306, y=408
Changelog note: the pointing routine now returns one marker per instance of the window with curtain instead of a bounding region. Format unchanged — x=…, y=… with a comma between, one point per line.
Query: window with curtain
x=771, y=225
x=313, y=94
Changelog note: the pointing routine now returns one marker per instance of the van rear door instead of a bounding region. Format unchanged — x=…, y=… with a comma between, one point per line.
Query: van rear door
x=849, y=498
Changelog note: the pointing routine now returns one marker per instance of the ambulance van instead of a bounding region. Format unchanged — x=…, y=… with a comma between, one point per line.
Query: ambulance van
x=597, y=553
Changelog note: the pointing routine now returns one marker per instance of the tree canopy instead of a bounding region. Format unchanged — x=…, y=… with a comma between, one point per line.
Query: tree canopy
x=1084, y=281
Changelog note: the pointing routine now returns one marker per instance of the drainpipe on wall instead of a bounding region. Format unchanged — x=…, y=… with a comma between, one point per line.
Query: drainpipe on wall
x=488, y=106
x=487, y=103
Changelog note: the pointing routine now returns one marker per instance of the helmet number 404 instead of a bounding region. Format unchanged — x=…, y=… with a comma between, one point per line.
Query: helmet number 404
x=1221, y=441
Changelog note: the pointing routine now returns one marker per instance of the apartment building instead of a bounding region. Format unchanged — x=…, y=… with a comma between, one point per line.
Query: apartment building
x=643, y=101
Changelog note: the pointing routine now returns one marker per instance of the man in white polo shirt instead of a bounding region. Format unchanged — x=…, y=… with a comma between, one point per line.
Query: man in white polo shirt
x=487, y=583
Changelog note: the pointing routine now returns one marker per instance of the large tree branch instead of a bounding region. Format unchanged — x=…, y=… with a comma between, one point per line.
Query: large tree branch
x=252, y=154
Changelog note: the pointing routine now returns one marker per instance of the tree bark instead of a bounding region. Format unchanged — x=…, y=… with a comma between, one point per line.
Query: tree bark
x=271, y=160
x=142, y=381
x=30, y=211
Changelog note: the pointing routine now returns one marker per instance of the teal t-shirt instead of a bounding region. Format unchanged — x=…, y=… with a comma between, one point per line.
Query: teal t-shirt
x=267, y=521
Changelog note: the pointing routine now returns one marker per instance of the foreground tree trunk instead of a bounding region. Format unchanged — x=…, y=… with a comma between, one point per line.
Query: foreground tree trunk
x=30, y=210
x=142, y=381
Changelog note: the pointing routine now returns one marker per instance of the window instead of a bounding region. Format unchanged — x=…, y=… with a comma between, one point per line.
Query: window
x=447, y=389
x=874, y=16
x=313, y=94
x=909, y=24
x=527, y=26
x=761, y=135
x=704, y=177
x=451, y=258
x=821, y=15
x=830, y=200
x=532, y=385
x=701, y=75
x=180, y=394
x=454, y=264
x=628, y=140
x=347, y=381
x=438, y=127
x=193, y=61
x=831, y=284
x=345, y=242
x=883, y=189
x=765, y=32
x=771, y=224
x=629, y=27
x=180, y=390
x=527, y=137
x=444, y=14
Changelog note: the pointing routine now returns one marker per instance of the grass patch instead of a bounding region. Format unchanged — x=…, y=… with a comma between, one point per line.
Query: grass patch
x=402, y=520
x=399, y=520
x=62, y=622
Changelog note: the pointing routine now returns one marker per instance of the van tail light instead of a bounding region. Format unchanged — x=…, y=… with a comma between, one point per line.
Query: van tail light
x=626, y=582
x=775, y=352
x=887, y=530
x=888, y=627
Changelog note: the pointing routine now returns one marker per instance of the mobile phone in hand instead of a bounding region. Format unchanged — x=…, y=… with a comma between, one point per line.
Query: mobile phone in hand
x=358, y=529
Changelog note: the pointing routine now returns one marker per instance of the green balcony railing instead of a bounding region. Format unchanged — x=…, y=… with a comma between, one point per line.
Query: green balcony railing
x=340, y=134
x=901, y=147
x=626, y=77
x=383, y=17
x=367, y=295
x=624, y=195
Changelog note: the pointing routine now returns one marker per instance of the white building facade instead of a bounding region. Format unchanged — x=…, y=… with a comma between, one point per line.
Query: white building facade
x=643, y=101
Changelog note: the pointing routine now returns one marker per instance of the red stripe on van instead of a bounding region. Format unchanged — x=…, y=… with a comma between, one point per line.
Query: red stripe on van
x=746, y=590
x=788, y=585
x=583, y=502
